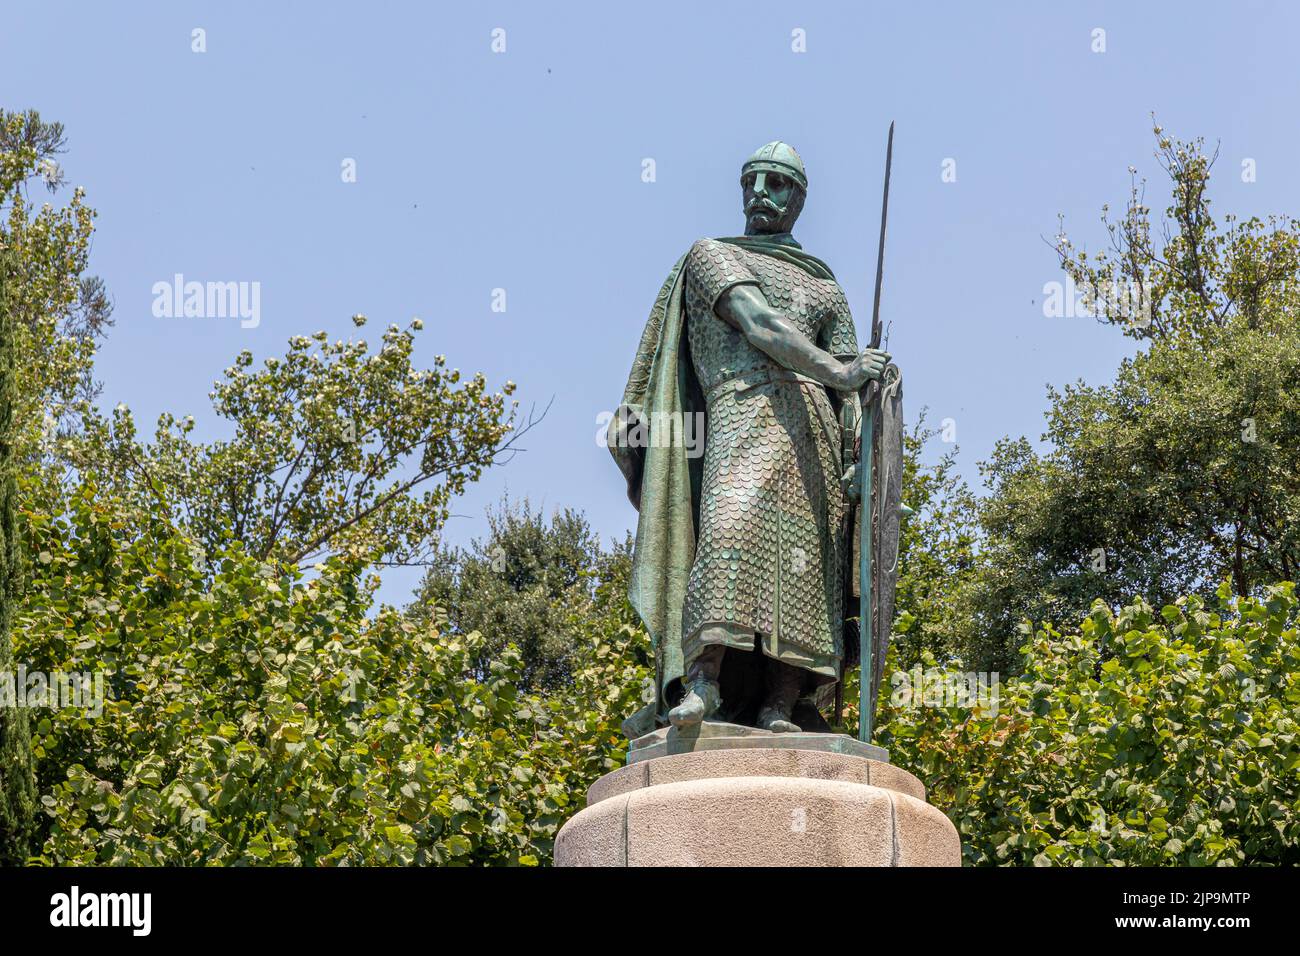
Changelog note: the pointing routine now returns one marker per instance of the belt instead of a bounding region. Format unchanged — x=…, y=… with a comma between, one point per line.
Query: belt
x=757, y=376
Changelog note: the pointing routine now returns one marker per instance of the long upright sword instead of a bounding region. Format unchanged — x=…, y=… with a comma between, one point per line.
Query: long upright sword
x=867, y=544
x=880, y=250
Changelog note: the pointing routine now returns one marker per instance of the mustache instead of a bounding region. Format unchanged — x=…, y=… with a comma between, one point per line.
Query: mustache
x=761, y=203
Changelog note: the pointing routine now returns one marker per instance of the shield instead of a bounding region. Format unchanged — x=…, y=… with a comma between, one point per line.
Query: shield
x=882, y=444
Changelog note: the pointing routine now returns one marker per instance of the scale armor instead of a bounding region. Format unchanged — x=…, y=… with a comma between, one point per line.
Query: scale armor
x=771, y=548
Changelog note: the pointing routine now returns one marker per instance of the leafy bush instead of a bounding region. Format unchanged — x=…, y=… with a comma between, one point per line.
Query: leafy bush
x=255, y=716
x=258, y=716
x=1143, y=739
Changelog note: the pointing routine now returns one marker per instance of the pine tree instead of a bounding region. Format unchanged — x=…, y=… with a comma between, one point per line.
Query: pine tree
x=17, y=780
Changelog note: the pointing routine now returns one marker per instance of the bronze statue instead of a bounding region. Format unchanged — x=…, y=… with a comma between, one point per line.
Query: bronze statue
x=743, y=568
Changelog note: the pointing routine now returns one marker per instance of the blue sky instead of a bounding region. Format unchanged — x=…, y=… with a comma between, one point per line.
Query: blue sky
x=522, y=171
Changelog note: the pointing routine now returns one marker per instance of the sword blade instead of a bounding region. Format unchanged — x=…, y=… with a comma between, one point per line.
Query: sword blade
x=880, y=251
x=867, y=547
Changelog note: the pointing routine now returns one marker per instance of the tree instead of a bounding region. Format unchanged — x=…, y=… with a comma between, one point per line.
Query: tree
x=1182, y=471
x=1199, y=281
x=17, y=781
x=240, y=712
x=520, y=586
x=59, y=313
x=50, y=316
x=335, y=451
x=937, y=554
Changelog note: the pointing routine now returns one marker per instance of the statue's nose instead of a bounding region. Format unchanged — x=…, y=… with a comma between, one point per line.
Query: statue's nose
x=760, y=184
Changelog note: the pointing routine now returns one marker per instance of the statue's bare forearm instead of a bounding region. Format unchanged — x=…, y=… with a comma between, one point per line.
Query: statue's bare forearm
x=747, y=309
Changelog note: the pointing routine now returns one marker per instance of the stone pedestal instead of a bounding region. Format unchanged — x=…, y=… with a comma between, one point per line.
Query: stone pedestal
x=719, y=735
x=756, y=805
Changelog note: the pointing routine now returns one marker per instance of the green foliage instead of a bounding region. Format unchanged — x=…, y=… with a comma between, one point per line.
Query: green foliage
x=521, y=586
x=255, y=709
x=57, y=311
x=335, y=451
x=1204, y=277
x=50, y=315
x=1143, y=739
x=936, y=553
x=17, y=782
x=254, y=716
x=1183, y=470
x=258, y=711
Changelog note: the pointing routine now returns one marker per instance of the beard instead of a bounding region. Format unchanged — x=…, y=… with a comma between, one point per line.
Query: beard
x=763, y=215
x=769, y=217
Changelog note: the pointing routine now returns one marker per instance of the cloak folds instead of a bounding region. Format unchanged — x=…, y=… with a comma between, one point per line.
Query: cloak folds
x=663, y=479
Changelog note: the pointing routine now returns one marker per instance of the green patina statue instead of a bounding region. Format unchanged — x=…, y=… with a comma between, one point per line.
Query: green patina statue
x=744, y=566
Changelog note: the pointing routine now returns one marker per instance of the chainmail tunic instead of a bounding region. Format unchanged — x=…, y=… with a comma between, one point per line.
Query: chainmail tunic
x=770, y=552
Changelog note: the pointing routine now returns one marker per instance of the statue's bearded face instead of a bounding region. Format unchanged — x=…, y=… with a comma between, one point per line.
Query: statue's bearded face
x=772, y=202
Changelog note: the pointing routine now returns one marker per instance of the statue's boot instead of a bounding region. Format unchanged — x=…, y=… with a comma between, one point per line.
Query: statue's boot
x=703, y=695
x=783, y=685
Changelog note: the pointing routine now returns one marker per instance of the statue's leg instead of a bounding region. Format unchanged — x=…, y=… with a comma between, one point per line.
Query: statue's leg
x=703, y=696
x=783, y=685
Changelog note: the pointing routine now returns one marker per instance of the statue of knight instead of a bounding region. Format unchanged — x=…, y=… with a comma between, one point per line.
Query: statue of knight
x=743, y=570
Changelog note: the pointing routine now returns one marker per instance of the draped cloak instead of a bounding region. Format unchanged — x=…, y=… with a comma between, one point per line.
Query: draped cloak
x=663, y=480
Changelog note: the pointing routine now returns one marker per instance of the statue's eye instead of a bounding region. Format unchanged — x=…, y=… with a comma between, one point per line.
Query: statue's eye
x=778, y=182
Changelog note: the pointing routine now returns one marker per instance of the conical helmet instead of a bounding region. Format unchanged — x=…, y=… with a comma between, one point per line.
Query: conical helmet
x=777, y=157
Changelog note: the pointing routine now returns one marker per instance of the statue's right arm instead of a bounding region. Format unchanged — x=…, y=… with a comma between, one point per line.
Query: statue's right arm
x=747, y=310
